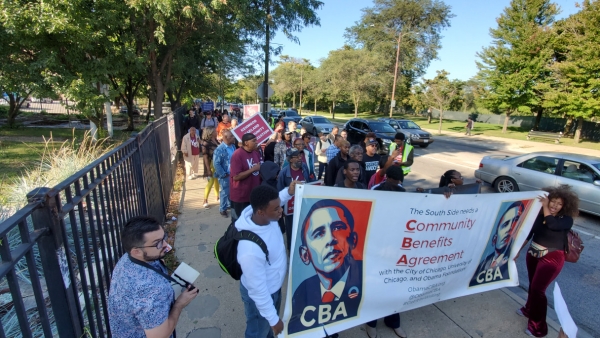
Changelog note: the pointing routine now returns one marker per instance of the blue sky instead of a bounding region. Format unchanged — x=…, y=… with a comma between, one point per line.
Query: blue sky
x=467, y=35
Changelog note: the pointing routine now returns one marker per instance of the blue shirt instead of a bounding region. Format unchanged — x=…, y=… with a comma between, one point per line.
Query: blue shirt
x=222, y=159
x=139, y=299
x=331, y=151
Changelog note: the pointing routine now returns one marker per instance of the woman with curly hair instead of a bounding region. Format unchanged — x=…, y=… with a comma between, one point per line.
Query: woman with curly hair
x=209, y=144
x=546, y=254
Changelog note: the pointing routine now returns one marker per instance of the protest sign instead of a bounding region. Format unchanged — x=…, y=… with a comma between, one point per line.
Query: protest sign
x=360, y=255
x=206, y=106
x=251, y=109
x=288, y=208
x=256, y=125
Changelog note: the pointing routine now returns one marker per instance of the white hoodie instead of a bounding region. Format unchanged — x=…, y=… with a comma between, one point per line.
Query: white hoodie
x=261, y=279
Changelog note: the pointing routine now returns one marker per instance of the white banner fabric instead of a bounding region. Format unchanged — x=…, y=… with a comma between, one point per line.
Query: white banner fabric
x=360, y=255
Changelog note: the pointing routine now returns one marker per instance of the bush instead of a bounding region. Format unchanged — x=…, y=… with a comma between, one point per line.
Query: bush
x=3, y=112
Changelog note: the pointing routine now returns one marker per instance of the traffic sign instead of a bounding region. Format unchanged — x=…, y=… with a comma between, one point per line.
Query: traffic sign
x=260, y=91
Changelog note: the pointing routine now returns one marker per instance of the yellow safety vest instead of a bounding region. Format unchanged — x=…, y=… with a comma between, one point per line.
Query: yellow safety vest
x=407, y=149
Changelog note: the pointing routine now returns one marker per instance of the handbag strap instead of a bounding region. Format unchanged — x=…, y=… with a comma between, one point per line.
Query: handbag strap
x=166, y=276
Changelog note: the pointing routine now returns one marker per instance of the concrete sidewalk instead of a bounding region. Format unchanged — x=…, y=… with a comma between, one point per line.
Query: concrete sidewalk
x=218, y=310
x=506, y=144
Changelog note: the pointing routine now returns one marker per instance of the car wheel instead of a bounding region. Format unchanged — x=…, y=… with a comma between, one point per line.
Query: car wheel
x=314, y=131
x=506, y=184
x=423, y=145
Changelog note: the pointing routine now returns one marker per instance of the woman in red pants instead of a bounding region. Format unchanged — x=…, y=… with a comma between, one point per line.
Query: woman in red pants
x=546, y=254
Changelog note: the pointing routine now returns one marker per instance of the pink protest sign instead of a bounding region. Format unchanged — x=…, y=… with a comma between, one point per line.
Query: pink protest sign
x=256, y=125
x=251, y=109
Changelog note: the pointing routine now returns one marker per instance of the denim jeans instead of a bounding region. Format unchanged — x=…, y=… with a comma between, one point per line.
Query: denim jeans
x=256, y=325
x=224, y=194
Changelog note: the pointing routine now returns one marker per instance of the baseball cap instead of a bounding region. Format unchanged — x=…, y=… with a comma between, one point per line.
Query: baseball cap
x=292, y=152
x=372, y=141
x=288, y=132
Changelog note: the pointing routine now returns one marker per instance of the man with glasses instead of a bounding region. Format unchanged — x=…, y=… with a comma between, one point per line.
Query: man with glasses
x=141, y=302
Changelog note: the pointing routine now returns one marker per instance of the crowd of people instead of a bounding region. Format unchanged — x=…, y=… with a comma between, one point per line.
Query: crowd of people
x=255, y=183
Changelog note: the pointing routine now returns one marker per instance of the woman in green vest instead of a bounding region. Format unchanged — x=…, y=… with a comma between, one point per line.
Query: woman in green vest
x=405, y=159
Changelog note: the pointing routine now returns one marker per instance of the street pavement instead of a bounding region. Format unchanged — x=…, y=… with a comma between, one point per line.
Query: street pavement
x=218, y=310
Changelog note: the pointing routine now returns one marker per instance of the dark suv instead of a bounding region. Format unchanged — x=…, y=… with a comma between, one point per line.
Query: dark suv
x=411, y=130
x=357, y=129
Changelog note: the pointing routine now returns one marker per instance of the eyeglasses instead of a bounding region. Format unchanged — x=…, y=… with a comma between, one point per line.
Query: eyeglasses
x=158, y=245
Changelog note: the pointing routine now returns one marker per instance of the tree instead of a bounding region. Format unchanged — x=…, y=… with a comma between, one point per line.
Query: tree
x=360, y=72
x=21, y=69
x=440, y=92
x=515, y=64
x=405, y=32
x=334, y=81
x=576, y=73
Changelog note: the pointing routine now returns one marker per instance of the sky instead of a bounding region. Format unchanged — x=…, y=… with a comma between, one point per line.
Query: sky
x=468, y=33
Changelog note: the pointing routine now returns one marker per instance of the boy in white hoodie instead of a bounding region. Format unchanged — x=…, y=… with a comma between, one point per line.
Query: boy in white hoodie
x=260, y=285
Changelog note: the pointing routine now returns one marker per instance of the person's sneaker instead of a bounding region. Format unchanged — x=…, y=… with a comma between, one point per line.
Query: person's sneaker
x=371, y=331
x=400, y=333
x=224, y=213
x=206, y=205
x=520, y=313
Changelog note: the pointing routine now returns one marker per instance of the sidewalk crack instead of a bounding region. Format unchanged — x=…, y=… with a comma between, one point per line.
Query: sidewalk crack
x=452, y=320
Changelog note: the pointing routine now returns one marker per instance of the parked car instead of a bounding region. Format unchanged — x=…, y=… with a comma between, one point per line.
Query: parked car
x=313, y=124
x=411, y=130
x=273, y=113
x=290, y=115
x=542, y=169
x=357, y=129
x=136, y=110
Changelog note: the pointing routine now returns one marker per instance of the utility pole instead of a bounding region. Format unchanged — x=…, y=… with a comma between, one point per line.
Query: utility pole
x=266, y=84
x=393, y=103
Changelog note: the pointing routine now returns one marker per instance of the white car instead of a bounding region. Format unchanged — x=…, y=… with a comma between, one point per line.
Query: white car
x=313, y=124
x=535, y=171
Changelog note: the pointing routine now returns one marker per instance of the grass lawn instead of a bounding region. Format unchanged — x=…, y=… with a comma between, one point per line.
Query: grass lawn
x=16, y=155
x=451, y=127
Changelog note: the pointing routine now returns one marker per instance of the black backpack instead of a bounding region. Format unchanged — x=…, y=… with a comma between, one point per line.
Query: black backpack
x=226, y=249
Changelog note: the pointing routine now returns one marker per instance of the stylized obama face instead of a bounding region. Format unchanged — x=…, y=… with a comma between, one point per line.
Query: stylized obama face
x=506, y=227
x=328, y=237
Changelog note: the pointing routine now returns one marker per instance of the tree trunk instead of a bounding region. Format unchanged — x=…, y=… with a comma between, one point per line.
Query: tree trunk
x=315, y=107
x=568, y=126
x=149, y=110
x=356, y=107
x=505, y=126
x=294, y=100
x=441, y=119
x=333, y=110
x=538, y=119
x=577, y=137
x=159, y=96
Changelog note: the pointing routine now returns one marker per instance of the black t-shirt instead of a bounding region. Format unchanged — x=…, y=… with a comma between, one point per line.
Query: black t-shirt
x=371, y=165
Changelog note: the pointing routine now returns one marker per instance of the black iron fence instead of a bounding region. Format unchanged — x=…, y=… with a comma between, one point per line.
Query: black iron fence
x=55, y=273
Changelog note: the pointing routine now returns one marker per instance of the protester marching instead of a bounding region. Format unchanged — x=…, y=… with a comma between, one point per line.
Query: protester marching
x=262, y=191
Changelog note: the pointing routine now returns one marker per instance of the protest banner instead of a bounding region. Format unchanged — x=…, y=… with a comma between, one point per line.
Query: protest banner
x=256, y=125
x=251, y=109
x=360, y=255
x=206, y=106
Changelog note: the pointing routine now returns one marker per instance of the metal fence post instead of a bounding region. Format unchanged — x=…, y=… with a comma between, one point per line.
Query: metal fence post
x=138, y=172
x=54, y=265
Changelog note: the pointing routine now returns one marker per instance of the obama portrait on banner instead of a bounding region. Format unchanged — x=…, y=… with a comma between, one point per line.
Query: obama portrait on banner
x=330, y=239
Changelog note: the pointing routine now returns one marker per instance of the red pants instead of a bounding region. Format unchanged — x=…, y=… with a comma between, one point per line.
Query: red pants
x=541, y=271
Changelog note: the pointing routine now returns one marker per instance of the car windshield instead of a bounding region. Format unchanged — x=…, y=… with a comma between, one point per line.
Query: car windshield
x=291, y=113
x=408, y=125
x=320, y=120
x=381, y=127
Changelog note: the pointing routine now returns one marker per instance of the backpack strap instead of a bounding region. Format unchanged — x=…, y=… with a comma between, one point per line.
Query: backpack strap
x=254, y=238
